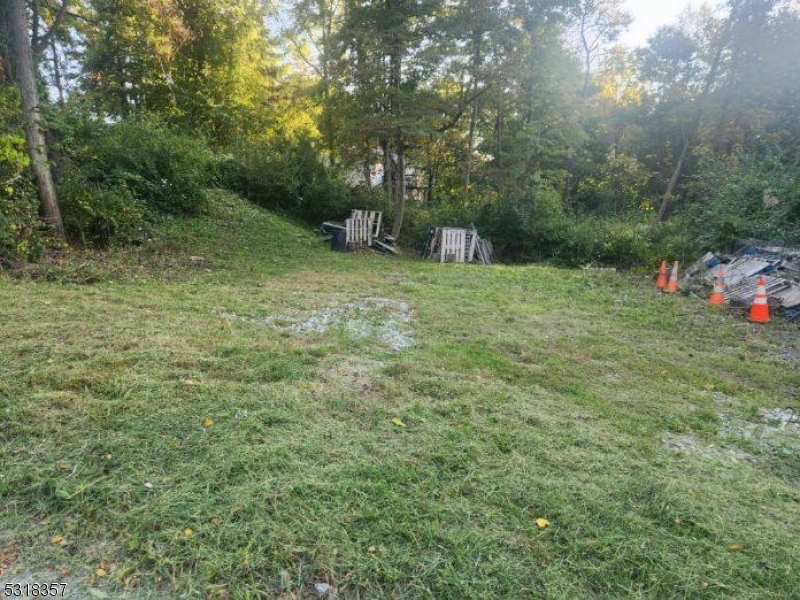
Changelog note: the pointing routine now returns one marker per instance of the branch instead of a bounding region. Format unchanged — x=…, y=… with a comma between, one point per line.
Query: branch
x=460, y=112
x=42, y=42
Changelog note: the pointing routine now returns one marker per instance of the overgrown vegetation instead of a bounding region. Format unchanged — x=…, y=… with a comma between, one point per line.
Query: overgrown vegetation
x=160, y=436
x=558, y=149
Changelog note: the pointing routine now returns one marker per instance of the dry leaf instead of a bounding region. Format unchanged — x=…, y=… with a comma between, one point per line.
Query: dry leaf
x=101, y=572
x=208, y=422
x=371, y=549
x=735, y=546
x=398, y=421
x=191, y=382
x=187, y=533
x=58, y=540
x=542, y=523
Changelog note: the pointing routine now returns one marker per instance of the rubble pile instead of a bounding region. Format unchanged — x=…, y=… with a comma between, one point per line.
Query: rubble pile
x=779, y=266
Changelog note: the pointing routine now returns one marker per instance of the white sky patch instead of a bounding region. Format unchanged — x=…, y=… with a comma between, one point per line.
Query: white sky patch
x=649, y=15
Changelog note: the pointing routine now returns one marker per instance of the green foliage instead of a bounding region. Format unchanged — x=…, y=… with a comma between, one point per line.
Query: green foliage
x=113, y=173
x=622, y=243
x=748, y=199
x=616, y=187
x=20, y=228
x=289, y=176
x=529, y=225
x=99, y=216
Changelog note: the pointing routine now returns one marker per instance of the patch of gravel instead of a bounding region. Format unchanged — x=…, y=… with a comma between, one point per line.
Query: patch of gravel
x=776, y=431
x=379, y=318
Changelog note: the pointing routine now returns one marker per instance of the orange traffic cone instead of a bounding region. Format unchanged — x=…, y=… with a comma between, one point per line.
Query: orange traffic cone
x=759, y=311
x=672, y=286
x=717, y=297
x=661, y=282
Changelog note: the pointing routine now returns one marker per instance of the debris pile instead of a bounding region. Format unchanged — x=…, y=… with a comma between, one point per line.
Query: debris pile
x=363, y=228
x=778, y=266
x=450, y=244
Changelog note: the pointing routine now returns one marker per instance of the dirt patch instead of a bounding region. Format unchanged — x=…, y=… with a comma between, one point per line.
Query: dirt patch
x=383, y=319
x=688, y=444
x=354, y=374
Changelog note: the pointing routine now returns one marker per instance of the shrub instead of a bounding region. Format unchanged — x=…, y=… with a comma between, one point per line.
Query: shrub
x=100, y=216
x=21, y=230
x=154, y=163
x=288, y=176
x=732, y=204
x=530, y=225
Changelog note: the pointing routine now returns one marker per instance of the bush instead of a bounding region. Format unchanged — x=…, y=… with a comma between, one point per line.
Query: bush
x=288, y=176
x=530, y=225
x=733, y=204
x=21, y=231
x=99, y=216
x=139, y=158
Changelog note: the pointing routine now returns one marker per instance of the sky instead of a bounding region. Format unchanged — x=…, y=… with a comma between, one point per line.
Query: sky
x=649, y=15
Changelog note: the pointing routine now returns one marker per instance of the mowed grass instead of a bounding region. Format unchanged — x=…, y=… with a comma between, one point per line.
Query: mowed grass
x=186, y=453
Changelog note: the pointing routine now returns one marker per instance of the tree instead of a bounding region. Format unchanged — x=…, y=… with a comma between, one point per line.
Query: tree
x=599, y=23
x=24, y=70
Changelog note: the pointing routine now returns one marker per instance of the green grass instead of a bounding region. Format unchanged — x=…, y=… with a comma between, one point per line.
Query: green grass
x=530, y=392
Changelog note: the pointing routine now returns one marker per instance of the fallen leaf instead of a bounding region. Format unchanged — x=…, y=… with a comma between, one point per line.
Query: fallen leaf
x=735, y=546
x=704, y=585
x=398, y=421
x=100, y=572
x=208, y=422
x=187, y=533
x=148, y=485
x=542, y=523
x=191, y=382
x=371, y=549
x=58, y=540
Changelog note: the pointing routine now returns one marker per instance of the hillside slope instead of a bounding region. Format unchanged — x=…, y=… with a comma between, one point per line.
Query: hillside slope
x=233, y=410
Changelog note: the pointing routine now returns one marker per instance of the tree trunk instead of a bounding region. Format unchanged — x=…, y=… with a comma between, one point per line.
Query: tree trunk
x=470, y=147
x=400, y=196
x=22, y=61
x=58, y=80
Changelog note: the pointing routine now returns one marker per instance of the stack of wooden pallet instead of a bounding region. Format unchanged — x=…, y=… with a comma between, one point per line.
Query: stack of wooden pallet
x=363, y=228
x=452, y=244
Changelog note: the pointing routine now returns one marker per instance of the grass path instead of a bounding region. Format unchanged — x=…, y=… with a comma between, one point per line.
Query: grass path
x=215, y=419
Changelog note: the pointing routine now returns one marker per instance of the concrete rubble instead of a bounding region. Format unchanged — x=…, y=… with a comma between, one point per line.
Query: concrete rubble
x=779, y=266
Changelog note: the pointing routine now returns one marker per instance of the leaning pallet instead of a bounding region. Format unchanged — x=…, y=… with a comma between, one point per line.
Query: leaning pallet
x=359, y=232
x=452, y=246
x=458, y=245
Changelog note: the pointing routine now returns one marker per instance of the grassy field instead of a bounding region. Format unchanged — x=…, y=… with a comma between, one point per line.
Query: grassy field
x=230, y=411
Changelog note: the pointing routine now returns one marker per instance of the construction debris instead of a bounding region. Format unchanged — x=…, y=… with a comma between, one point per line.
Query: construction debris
x=363, y=228
x=778, y=266
x=452, y=244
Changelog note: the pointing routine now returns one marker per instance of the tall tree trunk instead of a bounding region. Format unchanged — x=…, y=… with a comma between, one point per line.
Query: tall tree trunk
x=22, y=61
x=388, y=163
x=429, y=196
x=470, y=147
x=400, y=196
